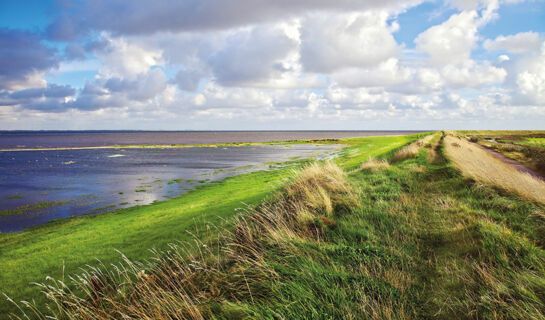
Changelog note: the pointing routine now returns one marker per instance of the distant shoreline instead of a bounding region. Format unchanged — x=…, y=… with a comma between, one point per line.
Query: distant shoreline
x=189, y=131
x=181, y=146
x=85, y=140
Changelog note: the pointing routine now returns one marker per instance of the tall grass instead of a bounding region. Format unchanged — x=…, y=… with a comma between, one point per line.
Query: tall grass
x=197, y=281
x=476, y=163
x=374, y=165
x=412, y=149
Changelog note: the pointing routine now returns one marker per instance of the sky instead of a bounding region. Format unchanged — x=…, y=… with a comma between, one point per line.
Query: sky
x=272, y=65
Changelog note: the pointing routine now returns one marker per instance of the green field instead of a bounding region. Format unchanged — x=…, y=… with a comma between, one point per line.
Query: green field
x=414, y=239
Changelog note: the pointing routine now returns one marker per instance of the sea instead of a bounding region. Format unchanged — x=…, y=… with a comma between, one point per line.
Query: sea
x=56, y=181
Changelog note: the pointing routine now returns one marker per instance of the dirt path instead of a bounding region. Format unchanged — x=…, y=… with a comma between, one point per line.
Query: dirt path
x=514, y=163
x=433, y=151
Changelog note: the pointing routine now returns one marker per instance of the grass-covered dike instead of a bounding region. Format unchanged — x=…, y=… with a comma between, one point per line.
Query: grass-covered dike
x=394, y=228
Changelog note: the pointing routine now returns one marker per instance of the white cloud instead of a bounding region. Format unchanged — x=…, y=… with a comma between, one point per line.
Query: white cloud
x=530, y=79
x=254, y=55
x=386, y=73
x=331, y=42
x=125, y=59
x=148, y=85
x=472, y=75
x=315, y=63
x=214, y=96
x=452, y=41
x=361, y=97
x=517, y=43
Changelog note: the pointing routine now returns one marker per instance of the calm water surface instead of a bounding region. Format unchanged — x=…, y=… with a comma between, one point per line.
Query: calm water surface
x=78, y=182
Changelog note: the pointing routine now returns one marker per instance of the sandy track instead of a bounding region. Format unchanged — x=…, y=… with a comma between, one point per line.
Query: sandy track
x=514, y=163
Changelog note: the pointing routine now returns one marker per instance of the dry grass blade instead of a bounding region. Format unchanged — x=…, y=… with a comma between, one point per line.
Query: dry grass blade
x=374, y=165
x=412, y=149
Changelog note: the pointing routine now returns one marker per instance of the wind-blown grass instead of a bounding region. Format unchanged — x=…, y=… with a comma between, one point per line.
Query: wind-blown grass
x=184, y=284
x=476, y=163
x=374, y=164
x=412, y=149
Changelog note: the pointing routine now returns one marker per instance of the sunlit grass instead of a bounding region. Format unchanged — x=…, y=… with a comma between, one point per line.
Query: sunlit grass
x=476, y=163
x=412, y=149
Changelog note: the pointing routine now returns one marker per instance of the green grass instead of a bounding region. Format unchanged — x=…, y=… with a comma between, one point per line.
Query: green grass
x=363, y=149
x=535, y=142
x=424, y=243
x=34, y=206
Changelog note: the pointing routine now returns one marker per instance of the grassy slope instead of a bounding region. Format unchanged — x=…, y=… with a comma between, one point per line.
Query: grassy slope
x=426, y=243
x=31, y=255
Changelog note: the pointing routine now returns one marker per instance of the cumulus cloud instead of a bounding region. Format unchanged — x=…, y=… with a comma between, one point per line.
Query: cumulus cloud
x=126, y=59
x=530, y=78
x=385, y=74
x=312, y=62
x=517, y=43
x=142, y=17
x=52, y=98
x=472, y=75
x=451, y=41
x=331, y=42
x=22, y=57
x=75, y=51
x=187, y=79
x=254, y=55
x=214, y=96
x=358, y=98
x=115, y=92
x=51, y=91
x=145, y=86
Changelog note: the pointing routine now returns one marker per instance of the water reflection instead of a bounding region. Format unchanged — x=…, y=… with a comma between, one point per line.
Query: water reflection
x=78, y=182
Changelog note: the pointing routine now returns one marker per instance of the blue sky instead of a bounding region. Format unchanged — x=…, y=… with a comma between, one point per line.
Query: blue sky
x=256, y=64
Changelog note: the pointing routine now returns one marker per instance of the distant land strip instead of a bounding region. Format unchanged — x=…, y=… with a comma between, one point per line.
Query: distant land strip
x=176, y=146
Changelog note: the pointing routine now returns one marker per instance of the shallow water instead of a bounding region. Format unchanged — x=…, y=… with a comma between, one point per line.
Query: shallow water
x=95, y=180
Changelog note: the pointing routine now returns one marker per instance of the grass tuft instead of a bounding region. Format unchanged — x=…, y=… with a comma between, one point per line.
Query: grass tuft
x=375, y=165
x=412, y=149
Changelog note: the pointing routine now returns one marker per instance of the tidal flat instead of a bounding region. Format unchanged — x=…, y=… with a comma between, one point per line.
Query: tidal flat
x=40, y=186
